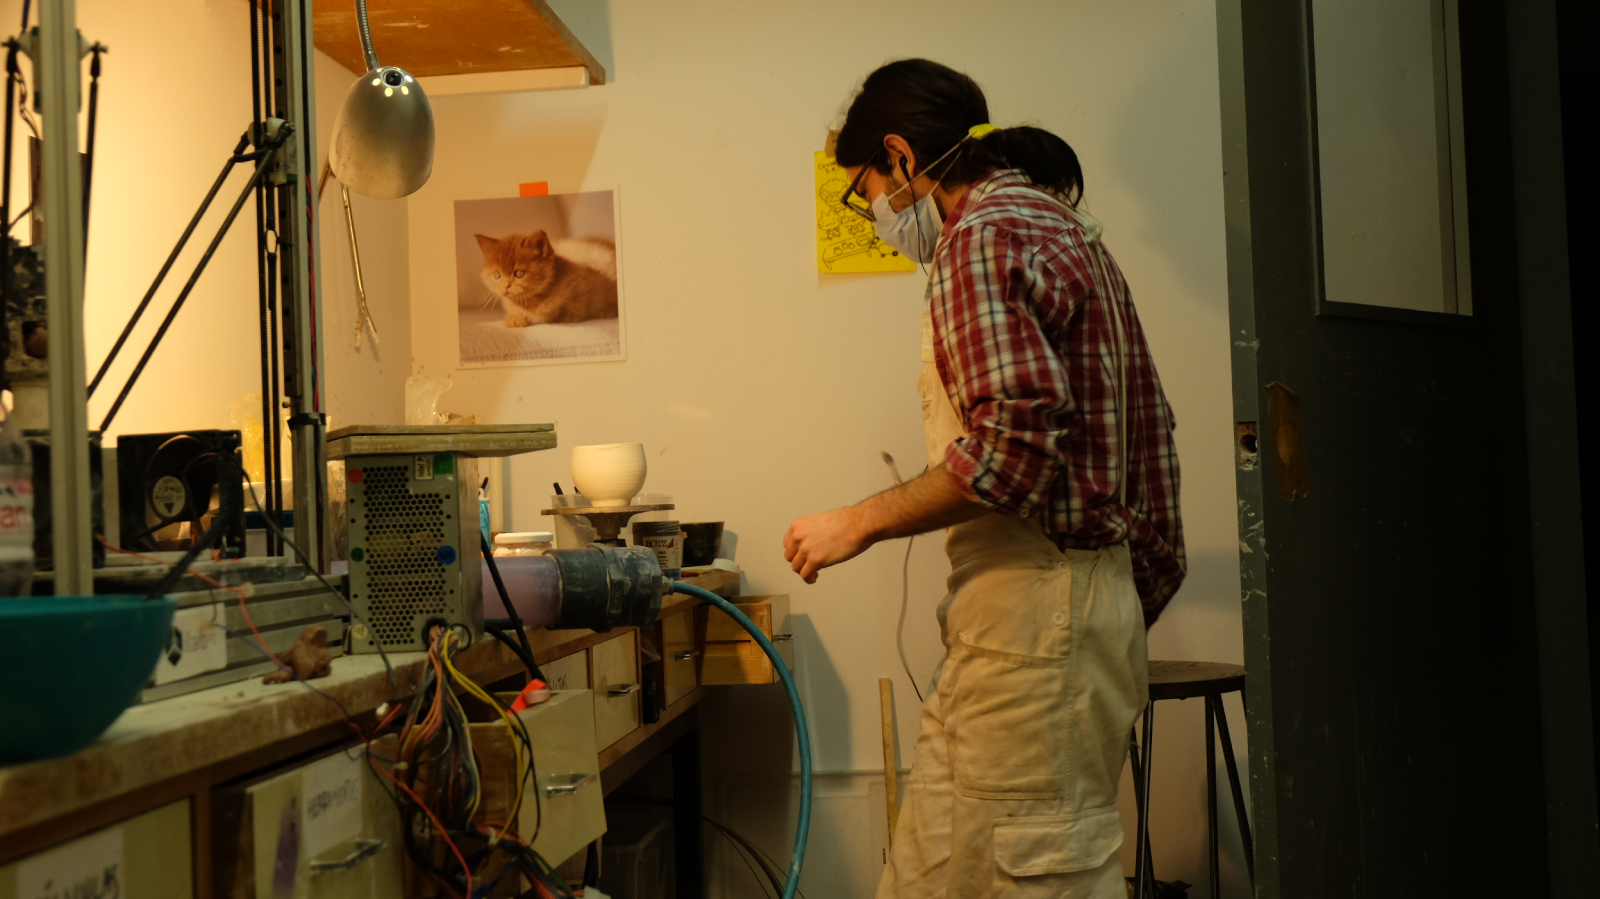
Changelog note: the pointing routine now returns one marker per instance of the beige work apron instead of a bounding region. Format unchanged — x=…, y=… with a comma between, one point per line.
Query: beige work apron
x=1013, y=787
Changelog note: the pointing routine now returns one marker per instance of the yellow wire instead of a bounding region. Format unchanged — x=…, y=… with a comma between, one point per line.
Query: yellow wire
x=511, y=730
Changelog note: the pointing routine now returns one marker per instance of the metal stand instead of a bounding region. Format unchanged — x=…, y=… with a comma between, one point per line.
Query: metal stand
x=300, y=272
x=1144, y=763
x=58, y=81
x=1144, y=881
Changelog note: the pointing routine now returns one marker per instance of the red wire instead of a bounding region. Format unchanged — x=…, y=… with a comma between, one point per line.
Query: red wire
x=245, y=613
x=436, y=823
x=432, y=729
x=214, y=583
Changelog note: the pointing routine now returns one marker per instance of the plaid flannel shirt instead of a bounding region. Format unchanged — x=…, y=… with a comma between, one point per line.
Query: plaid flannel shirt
x=1020, y=297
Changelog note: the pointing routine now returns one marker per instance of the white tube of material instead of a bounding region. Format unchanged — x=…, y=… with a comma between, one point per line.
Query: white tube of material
x=532, y=582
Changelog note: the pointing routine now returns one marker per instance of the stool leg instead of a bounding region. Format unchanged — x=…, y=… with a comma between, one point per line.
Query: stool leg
x=1238, y=793
x=1144, y=876
x=1138, y=792
x=1211, y=797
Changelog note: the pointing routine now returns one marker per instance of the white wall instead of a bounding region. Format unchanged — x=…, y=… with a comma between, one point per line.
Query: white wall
x=763, y=390
x=174, y=98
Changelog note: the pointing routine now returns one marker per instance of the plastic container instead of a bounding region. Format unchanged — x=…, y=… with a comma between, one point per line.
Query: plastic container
x=73, y=664
x=654, y=499
x=16, y=512
x=634, y=853
x=702, y=543
x=666, y=538
x=532, y=582
x=523, y=543
x=572, y=531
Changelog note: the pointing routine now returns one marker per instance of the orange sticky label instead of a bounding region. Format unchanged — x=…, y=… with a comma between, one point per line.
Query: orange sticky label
x=534, y=189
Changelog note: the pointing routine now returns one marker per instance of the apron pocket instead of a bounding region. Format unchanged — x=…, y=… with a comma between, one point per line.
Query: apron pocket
x=1057, y=844
x=1009, y=724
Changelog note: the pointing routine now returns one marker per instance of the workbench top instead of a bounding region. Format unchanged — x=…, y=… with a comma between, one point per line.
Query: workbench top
x=165, y=750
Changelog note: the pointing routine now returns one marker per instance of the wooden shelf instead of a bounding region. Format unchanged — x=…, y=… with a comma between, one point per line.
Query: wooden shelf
x=163, y=751
x=435, y=39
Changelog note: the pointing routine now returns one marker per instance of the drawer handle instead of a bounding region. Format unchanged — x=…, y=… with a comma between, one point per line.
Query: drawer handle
x=567, y=784
x=623, y=689
x=684, y=656
x=782, y=638
x=363, y=850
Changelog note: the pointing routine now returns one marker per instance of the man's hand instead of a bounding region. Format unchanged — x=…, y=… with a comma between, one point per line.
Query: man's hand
x=932, y=501
x=816, y=541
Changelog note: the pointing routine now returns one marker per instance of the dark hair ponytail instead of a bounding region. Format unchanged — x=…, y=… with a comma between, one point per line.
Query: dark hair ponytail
x=932, y=106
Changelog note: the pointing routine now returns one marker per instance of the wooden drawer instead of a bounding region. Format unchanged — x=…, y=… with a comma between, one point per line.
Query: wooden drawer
x=614, y=677
x=331, y=819
x=148, y=856
x=679, y=656
x=730, y=655
x=568, y=672
x=568, y=785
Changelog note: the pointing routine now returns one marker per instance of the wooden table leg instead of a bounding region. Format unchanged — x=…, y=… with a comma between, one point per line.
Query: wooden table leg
x=689, y=852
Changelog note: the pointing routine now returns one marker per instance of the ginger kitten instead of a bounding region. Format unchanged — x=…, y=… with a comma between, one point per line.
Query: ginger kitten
x=537, y=285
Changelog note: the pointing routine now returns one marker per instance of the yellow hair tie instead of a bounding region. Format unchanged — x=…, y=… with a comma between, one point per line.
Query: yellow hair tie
x=979, y=132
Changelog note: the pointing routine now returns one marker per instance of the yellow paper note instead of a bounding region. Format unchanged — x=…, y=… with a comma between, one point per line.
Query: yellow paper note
x=846, y=242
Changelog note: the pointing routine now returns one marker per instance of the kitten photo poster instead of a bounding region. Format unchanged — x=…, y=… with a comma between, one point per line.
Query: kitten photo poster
x=536, y=279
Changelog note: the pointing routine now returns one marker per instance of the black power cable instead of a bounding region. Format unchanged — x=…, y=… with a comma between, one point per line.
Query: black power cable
x=511, y=609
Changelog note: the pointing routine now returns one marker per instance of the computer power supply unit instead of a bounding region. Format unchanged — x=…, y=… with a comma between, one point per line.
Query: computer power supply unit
x=414, y=547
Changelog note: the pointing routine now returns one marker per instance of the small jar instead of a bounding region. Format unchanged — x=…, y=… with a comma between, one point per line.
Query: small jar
x=666, y=539
x=525, y=543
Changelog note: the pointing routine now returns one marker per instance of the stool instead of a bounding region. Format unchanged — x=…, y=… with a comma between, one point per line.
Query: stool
x=1183, y=680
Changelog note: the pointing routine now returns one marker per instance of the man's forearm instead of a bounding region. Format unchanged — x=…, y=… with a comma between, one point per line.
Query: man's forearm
x=931, y=501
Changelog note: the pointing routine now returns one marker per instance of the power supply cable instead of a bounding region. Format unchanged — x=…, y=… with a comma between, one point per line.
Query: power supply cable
x=802, y=734
x=905, y=587
x=900, y=628
x=505, y=600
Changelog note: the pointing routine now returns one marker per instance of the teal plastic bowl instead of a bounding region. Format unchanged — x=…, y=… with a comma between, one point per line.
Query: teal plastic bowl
x=72, y=665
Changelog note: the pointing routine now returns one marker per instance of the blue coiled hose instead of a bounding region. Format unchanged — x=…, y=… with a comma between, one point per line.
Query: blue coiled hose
x=799, y=721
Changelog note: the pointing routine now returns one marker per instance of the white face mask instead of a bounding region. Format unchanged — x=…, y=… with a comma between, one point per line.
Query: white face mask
x=914, y=230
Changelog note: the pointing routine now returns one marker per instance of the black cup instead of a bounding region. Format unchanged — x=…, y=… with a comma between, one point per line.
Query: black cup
x=703, y=543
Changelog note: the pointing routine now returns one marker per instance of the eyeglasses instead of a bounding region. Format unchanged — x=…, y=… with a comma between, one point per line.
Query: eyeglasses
x=864, y=209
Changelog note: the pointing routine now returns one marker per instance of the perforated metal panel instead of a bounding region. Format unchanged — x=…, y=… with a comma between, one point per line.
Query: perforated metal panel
x=411, y=531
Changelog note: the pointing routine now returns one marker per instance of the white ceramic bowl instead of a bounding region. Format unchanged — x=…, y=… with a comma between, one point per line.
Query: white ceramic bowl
x=609, y=474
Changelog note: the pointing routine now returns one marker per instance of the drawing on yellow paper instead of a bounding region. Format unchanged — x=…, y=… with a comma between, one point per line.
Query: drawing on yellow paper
x=846, y=242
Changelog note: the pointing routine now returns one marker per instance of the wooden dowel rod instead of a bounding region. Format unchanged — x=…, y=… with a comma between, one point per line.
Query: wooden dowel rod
x=891, y=771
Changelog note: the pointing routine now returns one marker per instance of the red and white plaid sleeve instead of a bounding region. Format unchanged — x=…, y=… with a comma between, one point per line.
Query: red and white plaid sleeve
x=1011, y=386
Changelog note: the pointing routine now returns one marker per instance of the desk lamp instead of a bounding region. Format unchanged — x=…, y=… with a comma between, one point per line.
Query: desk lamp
x=382, y=143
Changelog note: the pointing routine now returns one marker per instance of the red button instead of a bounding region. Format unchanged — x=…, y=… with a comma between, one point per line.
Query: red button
x=355, y=476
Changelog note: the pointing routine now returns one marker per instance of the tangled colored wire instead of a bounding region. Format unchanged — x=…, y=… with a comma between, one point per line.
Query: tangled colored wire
x=429, y=759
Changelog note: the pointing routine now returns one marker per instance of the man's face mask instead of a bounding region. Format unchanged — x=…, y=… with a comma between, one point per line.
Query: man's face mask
x=914, y=230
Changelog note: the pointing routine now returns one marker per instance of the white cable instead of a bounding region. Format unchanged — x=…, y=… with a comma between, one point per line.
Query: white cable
x=905, y=587
x=900, y=629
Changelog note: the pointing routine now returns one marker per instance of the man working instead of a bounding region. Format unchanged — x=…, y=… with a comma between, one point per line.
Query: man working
x=1053, y=466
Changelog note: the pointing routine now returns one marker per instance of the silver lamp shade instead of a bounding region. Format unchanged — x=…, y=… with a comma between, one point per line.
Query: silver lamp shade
x=382, y=142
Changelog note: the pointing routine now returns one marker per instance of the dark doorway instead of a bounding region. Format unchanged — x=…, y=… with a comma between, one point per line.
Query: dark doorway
x=1413, y=556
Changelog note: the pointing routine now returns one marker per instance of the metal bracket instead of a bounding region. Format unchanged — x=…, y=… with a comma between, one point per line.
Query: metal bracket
x=684, y=656
x=782, y=638
x=364, y=849
x=567, y=784
x=623, y=689
x=283, y=163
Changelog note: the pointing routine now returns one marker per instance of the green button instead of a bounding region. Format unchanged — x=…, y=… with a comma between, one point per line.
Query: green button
x=357, y=554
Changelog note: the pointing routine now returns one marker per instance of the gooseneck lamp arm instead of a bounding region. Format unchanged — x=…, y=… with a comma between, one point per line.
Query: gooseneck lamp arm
x=382, y=140
x=366, y=35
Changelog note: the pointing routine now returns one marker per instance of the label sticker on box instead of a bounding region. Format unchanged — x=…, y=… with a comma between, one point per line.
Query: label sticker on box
x=91, y=866
x=330, y=795
x=422, y=470
x=199, y=644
